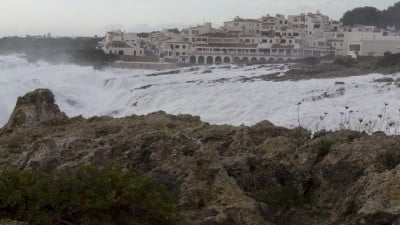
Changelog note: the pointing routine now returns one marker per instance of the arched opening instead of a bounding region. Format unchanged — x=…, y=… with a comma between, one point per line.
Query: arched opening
x=263, y=60
x=271, y=60
x=218, y=60
x=210, y=60
x=227, y=59
x=254, y=60
x=200, y=60
x=245, y=60
x=192, y=59
x=236, y=60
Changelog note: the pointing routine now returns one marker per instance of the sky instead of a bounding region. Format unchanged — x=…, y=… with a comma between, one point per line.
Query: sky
x=94, y=17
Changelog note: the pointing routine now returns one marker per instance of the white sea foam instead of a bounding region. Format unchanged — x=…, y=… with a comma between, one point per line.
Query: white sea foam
x=219, y=97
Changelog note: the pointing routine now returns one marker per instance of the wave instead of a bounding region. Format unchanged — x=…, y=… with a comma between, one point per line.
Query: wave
x=218, y=94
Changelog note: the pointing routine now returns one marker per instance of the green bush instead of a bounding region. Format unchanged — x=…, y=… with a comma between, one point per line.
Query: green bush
x=325, y=144
x=85, y=196
x=389, y=60
x=283, y=195
x=390, y=158
x=344, y=61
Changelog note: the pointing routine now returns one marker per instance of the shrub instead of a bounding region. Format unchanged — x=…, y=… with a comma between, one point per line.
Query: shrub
x=389, y=61
x=283, y=195
x=344, y=61
x=390, y=158
x=325, y=144
x=387, y=53
x=311, y=60
x=85, y=196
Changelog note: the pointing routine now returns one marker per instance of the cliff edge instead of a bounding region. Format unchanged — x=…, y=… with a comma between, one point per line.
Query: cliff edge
x=221, y=175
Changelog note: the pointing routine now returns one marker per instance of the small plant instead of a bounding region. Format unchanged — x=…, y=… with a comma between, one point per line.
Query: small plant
x=325, y=144
x=85, y=196
x=344, y=61
x=298, y=114
x=391, y=158
x=360, y=120
x=286, y=195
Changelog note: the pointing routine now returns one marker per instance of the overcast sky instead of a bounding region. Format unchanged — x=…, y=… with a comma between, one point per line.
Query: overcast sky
x=90, y=17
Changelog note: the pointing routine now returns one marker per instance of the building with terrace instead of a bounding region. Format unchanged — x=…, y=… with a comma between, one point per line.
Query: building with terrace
x=259, y=40
x=121, y=43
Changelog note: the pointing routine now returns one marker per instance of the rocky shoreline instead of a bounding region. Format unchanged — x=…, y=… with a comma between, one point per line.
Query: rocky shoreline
x=320, y=68
x=222, y=174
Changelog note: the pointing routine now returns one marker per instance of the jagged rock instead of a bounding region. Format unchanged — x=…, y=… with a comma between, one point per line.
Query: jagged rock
x=35, y=107
x=222, y=175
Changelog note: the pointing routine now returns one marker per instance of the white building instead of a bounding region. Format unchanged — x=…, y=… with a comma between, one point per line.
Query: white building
x=189, y=33
x=258, y=40
x=121, y=43
x=369, y=41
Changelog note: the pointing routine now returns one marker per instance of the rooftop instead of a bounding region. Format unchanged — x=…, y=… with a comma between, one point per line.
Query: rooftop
x=220, y=34
x=227, y=45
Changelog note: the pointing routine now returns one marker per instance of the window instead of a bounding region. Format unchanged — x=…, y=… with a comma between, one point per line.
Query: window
x=177, y=46
x=177, y=54
x=355, y=48
x=183, y=46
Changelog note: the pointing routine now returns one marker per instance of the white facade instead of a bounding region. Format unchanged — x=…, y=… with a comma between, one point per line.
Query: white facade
x=121, y=43
x=189, y=33
x=294, y=36
x=367, y=41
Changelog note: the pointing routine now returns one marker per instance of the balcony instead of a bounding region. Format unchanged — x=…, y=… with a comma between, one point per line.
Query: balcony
x=260, y=54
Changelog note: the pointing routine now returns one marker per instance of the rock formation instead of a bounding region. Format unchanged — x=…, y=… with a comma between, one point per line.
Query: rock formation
x=222, y=175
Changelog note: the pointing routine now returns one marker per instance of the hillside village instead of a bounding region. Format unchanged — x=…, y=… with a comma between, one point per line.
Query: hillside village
x=267, y=39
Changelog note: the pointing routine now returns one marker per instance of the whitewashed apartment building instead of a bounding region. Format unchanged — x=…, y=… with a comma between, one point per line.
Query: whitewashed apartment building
x=122, y=43
x=267, y=39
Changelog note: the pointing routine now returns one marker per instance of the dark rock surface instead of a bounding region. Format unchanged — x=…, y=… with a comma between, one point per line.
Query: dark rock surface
x=255, y=175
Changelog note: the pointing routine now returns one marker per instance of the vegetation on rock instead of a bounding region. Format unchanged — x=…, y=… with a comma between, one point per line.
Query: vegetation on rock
x=220, y=174
x=86, y=195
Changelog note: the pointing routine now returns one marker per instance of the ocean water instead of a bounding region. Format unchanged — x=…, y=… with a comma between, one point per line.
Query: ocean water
x=218, y=94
